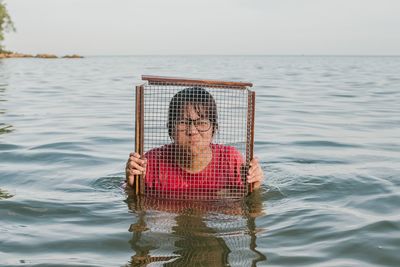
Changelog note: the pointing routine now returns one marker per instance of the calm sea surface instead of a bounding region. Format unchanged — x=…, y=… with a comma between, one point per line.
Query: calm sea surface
x=327, y=135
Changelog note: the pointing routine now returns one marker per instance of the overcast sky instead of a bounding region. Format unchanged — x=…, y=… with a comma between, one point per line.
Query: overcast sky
x=246, y=27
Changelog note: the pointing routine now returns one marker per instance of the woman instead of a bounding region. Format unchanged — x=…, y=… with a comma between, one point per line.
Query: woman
x=192, y=163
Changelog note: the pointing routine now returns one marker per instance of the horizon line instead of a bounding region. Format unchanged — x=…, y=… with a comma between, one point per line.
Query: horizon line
x=269, y=55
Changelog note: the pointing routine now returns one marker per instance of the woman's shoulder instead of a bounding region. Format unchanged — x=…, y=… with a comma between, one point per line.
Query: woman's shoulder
x=225, y=149
x=225, y=154
x=157, y=151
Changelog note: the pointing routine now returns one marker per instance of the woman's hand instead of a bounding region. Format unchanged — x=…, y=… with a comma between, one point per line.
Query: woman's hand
x=134, y=166
x=255, y=174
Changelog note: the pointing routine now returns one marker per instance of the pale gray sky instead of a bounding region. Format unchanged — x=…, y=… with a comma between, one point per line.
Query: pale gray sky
x=271, y=27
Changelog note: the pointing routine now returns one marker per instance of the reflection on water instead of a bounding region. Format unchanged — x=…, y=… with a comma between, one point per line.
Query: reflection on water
x=4, y=194
x=4, y=128
x=178, y=233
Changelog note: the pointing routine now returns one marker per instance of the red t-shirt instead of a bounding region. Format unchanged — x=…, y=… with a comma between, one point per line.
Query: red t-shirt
x=165, y=178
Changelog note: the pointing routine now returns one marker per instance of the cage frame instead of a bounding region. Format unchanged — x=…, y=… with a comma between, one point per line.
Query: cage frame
x=139, y=183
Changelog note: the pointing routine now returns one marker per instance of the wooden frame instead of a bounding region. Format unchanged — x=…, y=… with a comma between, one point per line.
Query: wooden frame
x=185, y=81
x=139, y=135
x=250, y=127
x=139, y=183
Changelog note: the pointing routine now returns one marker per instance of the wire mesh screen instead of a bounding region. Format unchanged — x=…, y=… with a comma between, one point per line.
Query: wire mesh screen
x=196, y=136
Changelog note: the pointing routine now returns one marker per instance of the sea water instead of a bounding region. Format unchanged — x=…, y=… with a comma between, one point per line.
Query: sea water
x=327, y=136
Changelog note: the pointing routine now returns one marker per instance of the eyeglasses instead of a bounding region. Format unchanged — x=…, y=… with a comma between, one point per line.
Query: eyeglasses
x=202, y=125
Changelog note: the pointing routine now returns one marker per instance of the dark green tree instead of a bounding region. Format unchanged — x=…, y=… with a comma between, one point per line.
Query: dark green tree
x=6, y=23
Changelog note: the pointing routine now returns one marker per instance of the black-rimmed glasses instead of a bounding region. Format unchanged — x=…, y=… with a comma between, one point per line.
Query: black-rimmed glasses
x=202, y=125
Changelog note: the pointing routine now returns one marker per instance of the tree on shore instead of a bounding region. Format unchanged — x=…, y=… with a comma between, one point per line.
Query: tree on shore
x=6, y=23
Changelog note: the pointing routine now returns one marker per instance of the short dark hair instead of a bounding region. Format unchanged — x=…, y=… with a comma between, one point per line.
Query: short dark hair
x=202, y=101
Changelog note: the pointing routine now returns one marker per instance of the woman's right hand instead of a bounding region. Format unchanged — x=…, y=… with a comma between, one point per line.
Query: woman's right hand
x=134, y=166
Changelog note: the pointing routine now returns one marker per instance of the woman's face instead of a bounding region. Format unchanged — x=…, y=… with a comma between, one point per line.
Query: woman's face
x=193, y=132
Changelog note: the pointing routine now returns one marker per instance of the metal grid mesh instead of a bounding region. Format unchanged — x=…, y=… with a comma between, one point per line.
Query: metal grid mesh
x=196, y=139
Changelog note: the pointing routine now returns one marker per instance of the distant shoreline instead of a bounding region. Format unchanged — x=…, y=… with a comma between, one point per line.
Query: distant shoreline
x=6, y=54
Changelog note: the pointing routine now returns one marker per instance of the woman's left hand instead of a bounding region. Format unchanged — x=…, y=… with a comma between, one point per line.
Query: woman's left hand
x=255, y=174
